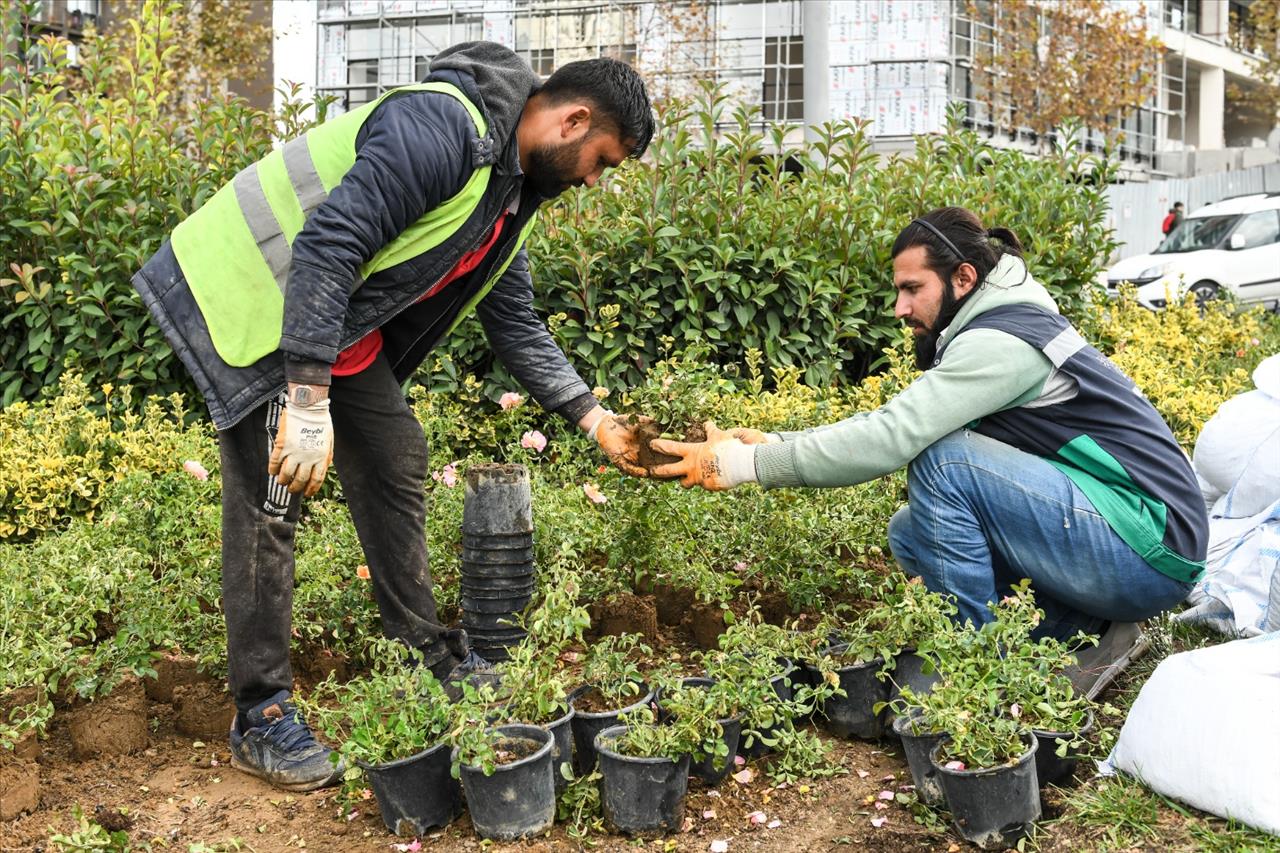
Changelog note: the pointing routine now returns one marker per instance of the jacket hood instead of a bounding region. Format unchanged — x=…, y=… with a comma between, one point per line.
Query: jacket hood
x=1008, y=283
x=502, y=79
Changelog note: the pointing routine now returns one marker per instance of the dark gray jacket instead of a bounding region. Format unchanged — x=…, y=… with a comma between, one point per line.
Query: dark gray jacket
x=414, y=152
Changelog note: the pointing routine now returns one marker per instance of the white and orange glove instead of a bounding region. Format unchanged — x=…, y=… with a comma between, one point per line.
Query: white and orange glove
x=719, y=463
x=303, y=449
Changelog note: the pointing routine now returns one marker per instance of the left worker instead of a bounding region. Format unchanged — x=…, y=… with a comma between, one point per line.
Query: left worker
x=306, y=290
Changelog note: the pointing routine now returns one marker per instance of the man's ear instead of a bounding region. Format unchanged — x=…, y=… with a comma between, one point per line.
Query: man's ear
x=575, y=122
x=964, y=279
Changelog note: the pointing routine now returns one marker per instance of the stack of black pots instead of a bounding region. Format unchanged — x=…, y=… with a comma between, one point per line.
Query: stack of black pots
x=497, y=557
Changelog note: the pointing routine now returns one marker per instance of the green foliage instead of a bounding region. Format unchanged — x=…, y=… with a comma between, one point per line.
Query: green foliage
x=534, y=665
x=687, y=243
x=394, y=712
x=96, y=168
x=997, y=684
x=474, y=741
x=612, y=668
x=58, y=456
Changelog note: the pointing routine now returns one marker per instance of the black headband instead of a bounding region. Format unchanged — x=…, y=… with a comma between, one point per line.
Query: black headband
x=941, y=236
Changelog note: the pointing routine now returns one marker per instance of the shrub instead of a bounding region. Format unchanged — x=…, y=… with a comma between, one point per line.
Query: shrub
x=95, y=170
x=57, y=456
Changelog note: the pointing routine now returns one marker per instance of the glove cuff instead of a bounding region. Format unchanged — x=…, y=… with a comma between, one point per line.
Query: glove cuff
x=595, y=427
x=737, y=463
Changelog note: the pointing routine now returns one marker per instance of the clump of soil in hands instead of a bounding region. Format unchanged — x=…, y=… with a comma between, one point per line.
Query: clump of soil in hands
x=650, y=458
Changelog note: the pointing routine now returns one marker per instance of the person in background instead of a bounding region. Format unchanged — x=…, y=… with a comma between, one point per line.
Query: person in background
x=1028, y=454
x=1172, y=220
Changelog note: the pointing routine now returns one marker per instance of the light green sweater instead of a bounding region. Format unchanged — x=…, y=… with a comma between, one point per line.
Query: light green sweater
x=984, y=371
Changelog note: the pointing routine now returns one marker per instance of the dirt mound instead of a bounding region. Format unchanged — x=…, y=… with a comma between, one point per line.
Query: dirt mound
x=673, y=602
x=171, y=671
x=625, y=614
x=112, y=725
x=203, y=710
x=706, y=623
x=19, y=786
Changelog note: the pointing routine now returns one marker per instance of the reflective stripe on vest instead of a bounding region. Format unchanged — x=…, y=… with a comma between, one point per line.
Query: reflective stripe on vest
x=235, y=250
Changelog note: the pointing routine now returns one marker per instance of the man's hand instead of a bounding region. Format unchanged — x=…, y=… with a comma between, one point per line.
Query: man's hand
x=303, y=448
x=721, y=462
x=619, y=439
x=750, y=436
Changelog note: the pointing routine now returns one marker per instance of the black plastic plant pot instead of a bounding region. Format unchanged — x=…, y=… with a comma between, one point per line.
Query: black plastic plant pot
x=782, y=688
x=562, y=747
x=497, y=543
x=497, y=556
x=479, y=623
x=1050, y=769
x=854, y=714
x=519, y=799
x=587, y=724
x=992, y=807
x=917, y=745
x=508, y=605
x=496, y=587
x=417, y=793
x=640, y=796
x=497, y=500
x=908, y=671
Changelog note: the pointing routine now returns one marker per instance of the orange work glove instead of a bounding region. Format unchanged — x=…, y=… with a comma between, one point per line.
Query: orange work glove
x=719, y=463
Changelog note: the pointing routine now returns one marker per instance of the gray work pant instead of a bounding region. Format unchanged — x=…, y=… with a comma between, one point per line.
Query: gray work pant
x=380, y=457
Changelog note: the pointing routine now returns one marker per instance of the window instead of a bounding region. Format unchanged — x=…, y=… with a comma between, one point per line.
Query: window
x=1182, y=15
x=360, y=72
x=783, y=95
x=1259, y=229
x=542, y=60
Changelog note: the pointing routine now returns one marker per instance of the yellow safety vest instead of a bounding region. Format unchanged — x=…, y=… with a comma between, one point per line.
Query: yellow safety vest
x=235, y=251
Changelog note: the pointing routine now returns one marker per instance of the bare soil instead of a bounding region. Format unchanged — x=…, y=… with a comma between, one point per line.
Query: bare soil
x=112, y=725
x=19, y=786
x=511, y=749
x=706, y=623
x=625, y=614
x=672, y=603
x=593, y=701
x=172, y=670
x=203, y=710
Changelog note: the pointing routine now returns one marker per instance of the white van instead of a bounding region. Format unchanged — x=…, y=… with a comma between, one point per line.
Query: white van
x=1231, y=246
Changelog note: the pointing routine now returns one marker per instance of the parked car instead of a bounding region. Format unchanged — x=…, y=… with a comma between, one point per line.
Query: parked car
x=1231, y=246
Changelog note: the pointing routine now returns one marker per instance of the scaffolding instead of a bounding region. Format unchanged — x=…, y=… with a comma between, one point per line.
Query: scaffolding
x=896, y=63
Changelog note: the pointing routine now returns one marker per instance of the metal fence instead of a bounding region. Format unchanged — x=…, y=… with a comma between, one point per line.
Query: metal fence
x=1137, y=209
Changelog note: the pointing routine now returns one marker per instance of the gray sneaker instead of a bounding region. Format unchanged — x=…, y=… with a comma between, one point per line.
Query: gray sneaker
x=279, y=747
x=1120, y=645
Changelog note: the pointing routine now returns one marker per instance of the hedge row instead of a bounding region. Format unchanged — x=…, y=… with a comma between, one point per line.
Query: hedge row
x=710, y=239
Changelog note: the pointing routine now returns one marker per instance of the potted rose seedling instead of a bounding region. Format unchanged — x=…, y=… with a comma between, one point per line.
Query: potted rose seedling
x=613, y=686
x=539, y=687
x=857, y=669
x=392, y=725
x=506, y=770
x=707, y=698
x=644, y=767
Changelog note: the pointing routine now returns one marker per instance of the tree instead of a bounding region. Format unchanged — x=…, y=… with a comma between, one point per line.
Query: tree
x=1261, y=38
x=1052, y=60
x=206, y=45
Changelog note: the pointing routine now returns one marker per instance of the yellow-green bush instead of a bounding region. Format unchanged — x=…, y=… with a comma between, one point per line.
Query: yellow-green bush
x=58, y=455
x=1187, y=361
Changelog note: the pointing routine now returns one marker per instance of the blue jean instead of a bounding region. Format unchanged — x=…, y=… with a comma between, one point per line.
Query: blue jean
x=983, y=515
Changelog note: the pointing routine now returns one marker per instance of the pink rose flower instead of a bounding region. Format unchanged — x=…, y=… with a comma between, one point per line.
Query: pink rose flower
x=510, y=400
x=593, y=493
x=533, y=440
x=195, y=469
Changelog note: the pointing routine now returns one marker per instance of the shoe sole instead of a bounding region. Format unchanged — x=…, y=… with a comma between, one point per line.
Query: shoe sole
x=297, y=787
x=1139, y=648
